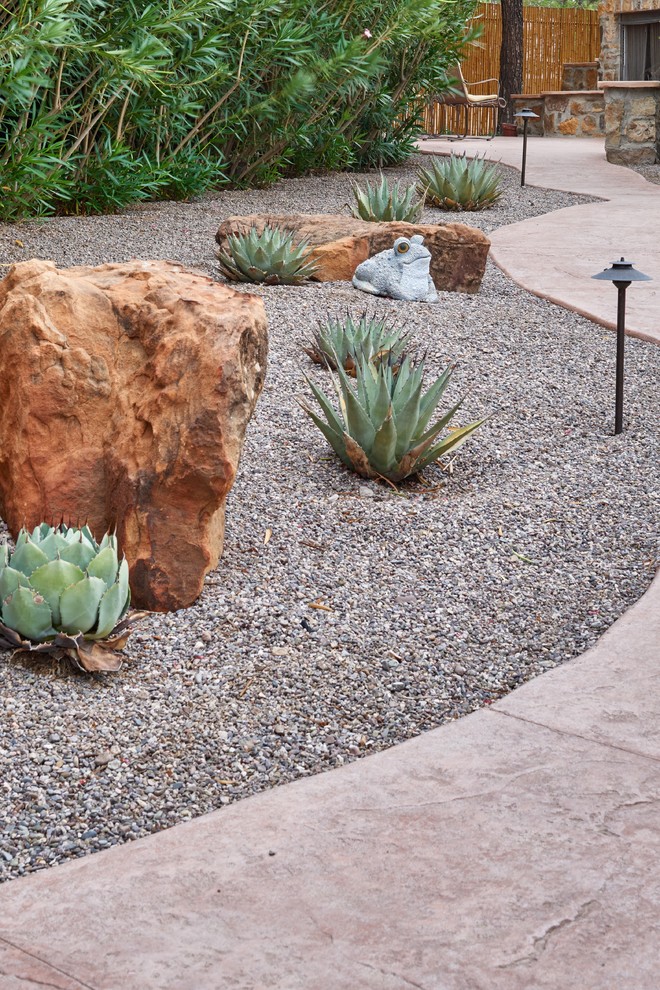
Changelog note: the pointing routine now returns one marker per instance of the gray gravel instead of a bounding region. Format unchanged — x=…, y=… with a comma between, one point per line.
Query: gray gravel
x=435, y=600
x=650, y=172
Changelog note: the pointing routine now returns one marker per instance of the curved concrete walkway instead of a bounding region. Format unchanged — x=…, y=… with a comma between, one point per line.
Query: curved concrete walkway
x=554, y=255
x=515, y=849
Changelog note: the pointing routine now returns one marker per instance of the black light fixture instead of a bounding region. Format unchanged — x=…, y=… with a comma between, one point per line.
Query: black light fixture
x=526, y=114
x=622, y=274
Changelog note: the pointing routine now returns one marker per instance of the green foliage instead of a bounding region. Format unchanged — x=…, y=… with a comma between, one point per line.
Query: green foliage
x=271, y=257
x=62, y=592
x=459, y=183
x=382, y=427
x=105, y=102
x=347, y=340
x=380, y=202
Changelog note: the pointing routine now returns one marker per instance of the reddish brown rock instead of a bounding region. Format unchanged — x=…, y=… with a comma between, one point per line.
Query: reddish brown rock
x=341, y=243
x=125, y=393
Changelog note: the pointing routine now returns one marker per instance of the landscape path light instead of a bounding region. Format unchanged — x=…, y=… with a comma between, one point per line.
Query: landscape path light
x=526, y=114
x=622, y=274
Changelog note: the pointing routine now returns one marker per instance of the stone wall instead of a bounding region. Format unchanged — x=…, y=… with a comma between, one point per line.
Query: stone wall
x=579, y=75
x=533, y=102
x=610, y=32
x=632, y=122
x=578, y=113
x=574, y=114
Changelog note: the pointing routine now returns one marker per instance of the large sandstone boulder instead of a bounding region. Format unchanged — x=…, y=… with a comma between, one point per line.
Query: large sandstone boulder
x=341, y=243
x=125, y=391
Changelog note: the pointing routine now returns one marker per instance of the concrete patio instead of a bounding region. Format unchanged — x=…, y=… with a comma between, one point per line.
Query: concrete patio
x=515, y=849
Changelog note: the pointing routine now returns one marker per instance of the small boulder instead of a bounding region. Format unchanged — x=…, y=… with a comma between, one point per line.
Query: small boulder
x=125, y=393
x=340, y=243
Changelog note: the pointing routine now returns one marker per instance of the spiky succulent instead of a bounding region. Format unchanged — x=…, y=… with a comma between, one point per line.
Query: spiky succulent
x=382, y=429
x=269, y=256
x=380, y=202
x=62, y=592
x=343, y=340
x=459, y=183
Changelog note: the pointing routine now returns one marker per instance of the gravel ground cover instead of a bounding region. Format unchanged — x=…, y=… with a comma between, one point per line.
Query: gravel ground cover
x=650, y=172
x=345, y=616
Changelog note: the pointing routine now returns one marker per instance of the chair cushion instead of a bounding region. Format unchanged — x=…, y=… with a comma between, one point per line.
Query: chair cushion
x=477, y=100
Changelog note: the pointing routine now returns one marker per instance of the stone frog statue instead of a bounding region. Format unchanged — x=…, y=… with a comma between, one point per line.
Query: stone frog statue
x=402, y=272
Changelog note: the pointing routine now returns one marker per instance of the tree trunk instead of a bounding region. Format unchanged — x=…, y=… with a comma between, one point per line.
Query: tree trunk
x=511, y=54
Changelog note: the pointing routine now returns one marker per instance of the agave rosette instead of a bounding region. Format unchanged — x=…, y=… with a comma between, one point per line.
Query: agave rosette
x=459, y=183
x=63, y=593
x=385, y=202
x=382, y=427
x=269, y=256
x=344, y=340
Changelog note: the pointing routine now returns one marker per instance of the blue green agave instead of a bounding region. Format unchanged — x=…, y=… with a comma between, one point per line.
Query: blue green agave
x=63, y=593
x=385, y=426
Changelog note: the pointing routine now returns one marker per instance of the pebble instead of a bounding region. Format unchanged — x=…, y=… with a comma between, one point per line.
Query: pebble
x=436, y=600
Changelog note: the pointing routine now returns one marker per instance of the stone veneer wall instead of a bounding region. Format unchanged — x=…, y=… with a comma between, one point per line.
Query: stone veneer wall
x=577, y=114
x=632, y=122
x=570, y=114
x=524, y=101
x=579, y=75
x=610, y=32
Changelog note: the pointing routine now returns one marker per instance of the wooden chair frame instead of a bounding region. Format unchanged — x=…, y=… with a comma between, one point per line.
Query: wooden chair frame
x=459, y=95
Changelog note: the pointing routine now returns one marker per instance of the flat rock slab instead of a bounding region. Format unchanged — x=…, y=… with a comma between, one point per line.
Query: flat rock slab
x=125, y=393
x=340, y=244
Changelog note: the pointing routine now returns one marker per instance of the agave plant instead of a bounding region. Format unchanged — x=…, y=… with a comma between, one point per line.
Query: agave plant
x=63, y=593
x=459, y=183
x=382, y=429
x=270, y=257
x=344, y=340
x=381, y=202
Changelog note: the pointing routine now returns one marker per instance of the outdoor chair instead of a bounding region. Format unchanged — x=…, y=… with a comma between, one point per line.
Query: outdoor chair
x=459, y=95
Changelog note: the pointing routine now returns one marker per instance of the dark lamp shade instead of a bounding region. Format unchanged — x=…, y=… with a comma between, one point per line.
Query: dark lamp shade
x=622, y=271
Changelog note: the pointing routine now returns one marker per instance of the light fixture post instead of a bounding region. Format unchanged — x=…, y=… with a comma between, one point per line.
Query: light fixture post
x=622, y=273
x=526, y=115
x=620, y=352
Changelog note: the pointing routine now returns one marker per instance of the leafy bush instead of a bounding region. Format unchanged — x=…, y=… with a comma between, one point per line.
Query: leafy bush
x=62, y=592
x=345, y=341
x=381, y=430
x=104, y=103
x=380, y=202
x=270, y=257
x=459, y=183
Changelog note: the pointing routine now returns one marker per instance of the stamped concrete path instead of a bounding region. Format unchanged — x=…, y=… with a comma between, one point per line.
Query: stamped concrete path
x=554, y=255
x=515, y=849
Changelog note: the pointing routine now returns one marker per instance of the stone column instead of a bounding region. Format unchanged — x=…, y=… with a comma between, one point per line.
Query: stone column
x=632, y=122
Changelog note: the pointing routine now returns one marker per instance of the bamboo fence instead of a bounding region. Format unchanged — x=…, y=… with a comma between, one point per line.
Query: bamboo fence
x=551, y=37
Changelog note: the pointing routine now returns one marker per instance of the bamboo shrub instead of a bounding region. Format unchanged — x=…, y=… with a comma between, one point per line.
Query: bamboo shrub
x=106, y=102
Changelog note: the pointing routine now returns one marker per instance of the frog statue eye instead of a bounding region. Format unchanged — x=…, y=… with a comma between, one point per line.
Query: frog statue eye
x=403, y=247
